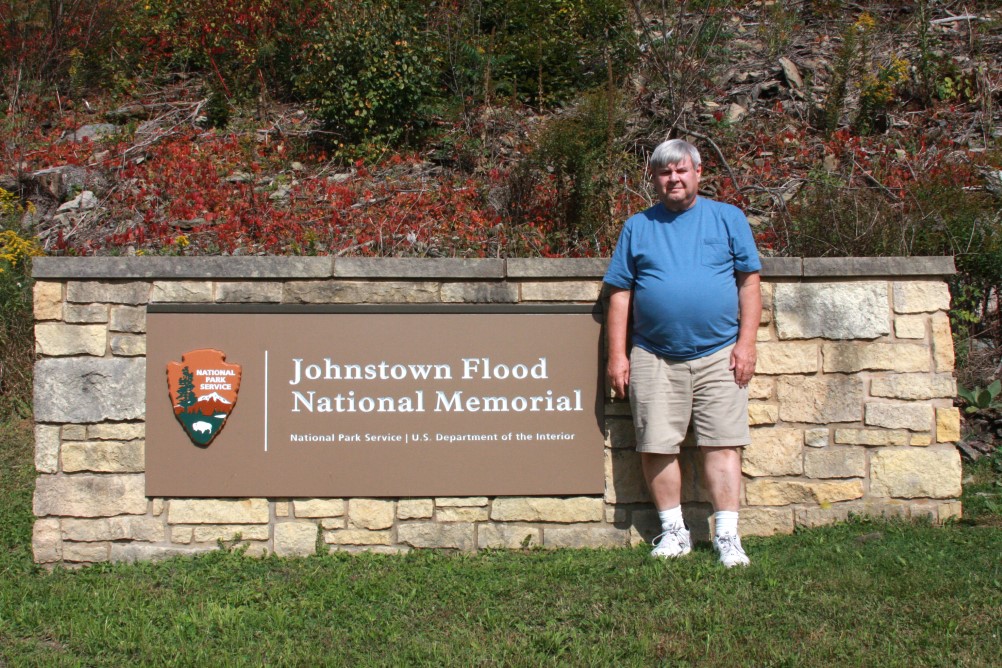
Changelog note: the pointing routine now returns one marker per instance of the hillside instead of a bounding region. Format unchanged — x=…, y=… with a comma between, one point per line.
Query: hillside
x=504, y=128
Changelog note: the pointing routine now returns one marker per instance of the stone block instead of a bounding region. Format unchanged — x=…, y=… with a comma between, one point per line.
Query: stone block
x=920, y=439
x=914, y=386
x=46, y=541
x=763, y=334
x=415, y=509
x=127, y=345
x=124, y=527
x=84, y=390
x=817, y=438
x=949, y=511
x=942, y=342
x=759, y=414
x=544, y=509
x=46, y=448
x=48, y=300
x=507, y=536
x=130, y=319
x=55, y=339
x=159, y=506
x=249, y=292
x=947, y=425
x=86, y=314
x=116, y=431
x=371, y=514
x=921, y=296
x=786, y=357
x=835, y=462
x=584, y=537
x=353, y=292
x=90, y=495
x=461, y=501
x=822, y=400
x=774, y=452
x=132, y=552
x=831, y=310
x=108, y=292
x=853, y=357
x=874, y=437
x=435, y=535
x=185, y=292
x=620, y=434
x=334, y=522
x=814, y=516
x=562, y=291
x=479, y=293
x=761, y=388
x=786, y=492
x=319, y=507
x=534, y=267
x=910, y=473
x=462, y=514
x=86, y=553
x=218, y=511
x=911, y=416
x=295, y=539
x=74, y=432
x=182, y=535
x=624, y=479
x=104, y=456
x=227, y=533
x=765, y=521
x=910, y=326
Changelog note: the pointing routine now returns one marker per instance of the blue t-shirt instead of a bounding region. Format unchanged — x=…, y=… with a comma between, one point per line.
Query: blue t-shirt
x=681, y=267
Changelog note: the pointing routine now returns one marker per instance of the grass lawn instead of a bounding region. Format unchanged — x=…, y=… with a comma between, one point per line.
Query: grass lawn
x=864, y=593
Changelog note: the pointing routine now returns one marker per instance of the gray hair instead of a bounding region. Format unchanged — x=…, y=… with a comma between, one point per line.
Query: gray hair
x=673, y=152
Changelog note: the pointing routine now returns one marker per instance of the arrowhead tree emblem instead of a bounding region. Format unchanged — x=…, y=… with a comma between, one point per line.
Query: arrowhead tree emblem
x=203, y=391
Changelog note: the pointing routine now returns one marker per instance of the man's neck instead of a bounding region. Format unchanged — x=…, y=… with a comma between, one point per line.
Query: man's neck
x=679, y=207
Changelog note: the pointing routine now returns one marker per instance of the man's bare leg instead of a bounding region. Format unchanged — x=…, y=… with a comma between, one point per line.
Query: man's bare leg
x=664, y=479
x=722, y=472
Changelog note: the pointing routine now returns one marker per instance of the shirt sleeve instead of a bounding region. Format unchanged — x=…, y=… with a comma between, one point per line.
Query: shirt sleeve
x=743, y=243
x=622, y=271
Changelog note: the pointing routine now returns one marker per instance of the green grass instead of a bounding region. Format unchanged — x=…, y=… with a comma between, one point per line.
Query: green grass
x=862, y=593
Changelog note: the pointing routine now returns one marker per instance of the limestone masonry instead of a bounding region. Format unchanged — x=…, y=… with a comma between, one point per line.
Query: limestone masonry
x=851, y=408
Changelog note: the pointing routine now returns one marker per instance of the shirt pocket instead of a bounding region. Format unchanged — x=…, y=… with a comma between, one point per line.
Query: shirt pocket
x=714, y=252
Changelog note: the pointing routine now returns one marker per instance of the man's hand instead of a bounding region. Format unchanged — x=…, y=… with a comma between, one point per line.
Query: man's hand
x=743, y=362
x=618, y=371
x=618, y=366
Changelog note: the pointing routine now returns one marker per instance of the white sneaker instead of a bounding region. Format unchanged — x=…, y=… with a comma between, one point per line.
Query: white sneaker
x=672, y=543
x=728, y=546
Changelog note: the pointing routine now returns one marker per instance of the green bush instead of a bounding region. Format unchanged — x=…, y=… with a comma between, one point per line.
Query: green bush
x=371, y=71
x=545, y=52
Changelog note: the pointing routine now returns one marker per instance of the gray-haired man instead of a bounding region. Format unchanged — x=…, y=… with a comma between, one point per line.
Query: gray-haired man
x=687, y=270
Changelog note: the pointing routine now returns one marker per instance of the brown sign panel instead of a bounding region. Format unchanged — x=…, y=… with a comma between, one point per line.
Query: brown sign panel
x=387, y=402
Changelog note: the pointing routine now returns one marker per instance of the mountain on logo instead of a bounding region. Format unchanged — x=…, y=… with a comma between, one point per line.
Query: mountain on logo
x=214, y=396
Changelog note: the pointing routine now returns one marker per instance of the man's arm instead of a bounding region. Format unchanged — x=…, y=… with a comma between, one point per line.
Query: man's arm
x=618, y=364
x=750, y=309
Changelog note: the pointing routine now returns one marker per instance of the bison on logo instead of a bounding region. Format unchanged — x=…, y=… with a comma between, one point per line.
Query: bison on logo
x=203, y=391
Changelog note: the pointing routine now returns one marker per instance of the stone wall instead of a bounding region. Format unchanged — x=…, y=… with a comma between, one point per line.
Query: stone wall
x=851, y=408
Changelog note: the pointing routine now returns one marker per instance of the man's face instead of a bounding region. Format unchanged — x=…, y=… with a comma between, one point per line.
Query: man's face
x=678, y=184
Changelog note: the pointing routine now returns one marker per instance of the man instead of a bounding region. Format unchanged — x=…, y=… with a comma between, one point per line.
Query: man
x=687, y=269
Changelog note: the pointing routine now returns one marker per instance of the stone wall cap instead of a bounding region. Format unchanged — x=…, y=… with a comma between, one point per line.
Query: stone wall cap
x=880, y=266
x=217, y=267
x=539, y=267
x=294, y=267
x=782, y=266
x=434, y=268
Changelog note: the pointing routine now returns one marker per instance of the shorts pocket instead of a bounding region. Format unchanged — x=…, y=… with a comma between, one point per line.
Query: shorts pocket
x=714, y=252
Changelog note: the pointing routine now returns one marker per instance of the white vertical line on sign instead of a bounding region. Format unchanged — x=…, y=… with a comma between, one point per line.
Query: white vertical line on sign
x=266, y=401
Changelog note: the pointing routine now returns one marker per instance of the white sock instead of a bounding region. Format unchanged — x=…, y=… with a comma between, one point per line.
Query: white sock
x=671, y=518
x=725, y=522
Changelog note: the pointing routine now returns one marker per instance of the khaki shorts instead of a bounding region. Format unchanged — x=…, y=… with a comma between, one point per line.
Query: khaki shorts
x=665, y=395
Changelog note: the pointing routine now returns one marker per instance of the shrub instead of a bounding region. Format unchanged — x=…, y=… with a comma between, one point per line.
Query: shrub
x=17, y=350
x=370, y=69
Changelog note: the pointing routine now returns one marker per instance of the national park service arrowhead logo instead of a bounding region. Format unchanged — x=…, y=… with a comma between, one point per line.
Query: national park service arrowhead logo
x=203, y=391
